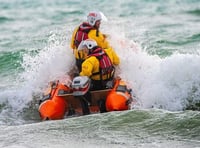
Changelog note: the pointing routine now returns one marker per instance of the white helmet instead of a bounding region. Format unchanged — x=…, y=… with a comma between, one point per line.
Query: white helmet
x=95, y=16
x=89, y=44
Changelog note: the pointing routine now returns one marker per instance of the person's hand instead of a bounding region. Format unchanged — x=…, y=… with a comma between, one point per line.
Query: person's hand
x=110, y=84
x=105, y=35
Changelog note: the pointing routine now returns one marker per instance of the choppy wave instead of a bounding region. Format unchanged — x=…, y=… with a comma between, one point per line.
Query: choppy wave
x=162, y=67
x=194, y=12
x=137, y=128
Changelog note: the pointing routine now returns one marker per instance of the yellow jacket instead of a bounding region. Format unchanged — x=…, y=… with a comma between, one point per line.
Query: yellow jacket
x=100, y=39
x=91, y=64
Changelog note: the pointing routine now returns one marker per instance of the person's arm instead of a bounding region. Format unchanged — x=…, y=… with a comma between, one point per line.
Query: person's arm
x=87, y=67
x=116, y=59
x=100, y=39
x=113, y=56
x=72, y=45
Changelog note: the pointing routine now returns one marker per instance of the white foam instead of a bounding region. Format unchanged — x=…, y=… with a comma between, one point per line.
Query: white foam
x=157, y=82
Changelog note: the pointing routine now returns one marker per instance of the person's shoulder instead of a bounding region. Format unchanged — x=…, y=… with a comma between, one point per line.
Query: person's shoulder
x=109, y=49
x=76, y=28
x=93, y=31
x=91, y=60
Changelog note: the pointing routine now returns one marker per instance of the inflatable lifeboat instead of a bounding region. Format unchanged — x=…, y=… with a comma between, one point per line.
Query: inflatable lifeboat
x=60, y=100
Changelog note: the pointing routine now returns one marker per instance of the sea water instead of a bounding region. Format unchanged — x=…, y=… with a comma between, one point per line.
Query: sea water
x=158, y=43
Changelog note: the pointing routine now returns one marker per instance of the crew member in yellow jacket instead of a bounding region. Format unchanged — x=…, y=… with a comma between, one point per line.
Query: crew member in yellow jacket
x=99, y=64
x=88, y=30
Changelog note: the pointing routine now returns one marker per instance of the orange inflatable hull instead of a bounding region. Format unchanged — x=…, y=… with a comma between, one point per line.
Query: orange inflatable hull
x=116, y=102
x=119, y=98
x=54, y=107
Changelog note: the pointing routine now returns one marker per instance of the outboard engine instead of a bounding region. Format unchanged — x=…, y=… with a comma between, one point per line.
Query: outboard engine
x=81, y=86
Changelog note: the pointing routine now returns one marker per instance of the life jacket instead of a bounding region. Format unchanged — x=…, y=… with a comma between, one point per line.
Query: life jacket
x=82, y=33
x=105, y=65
